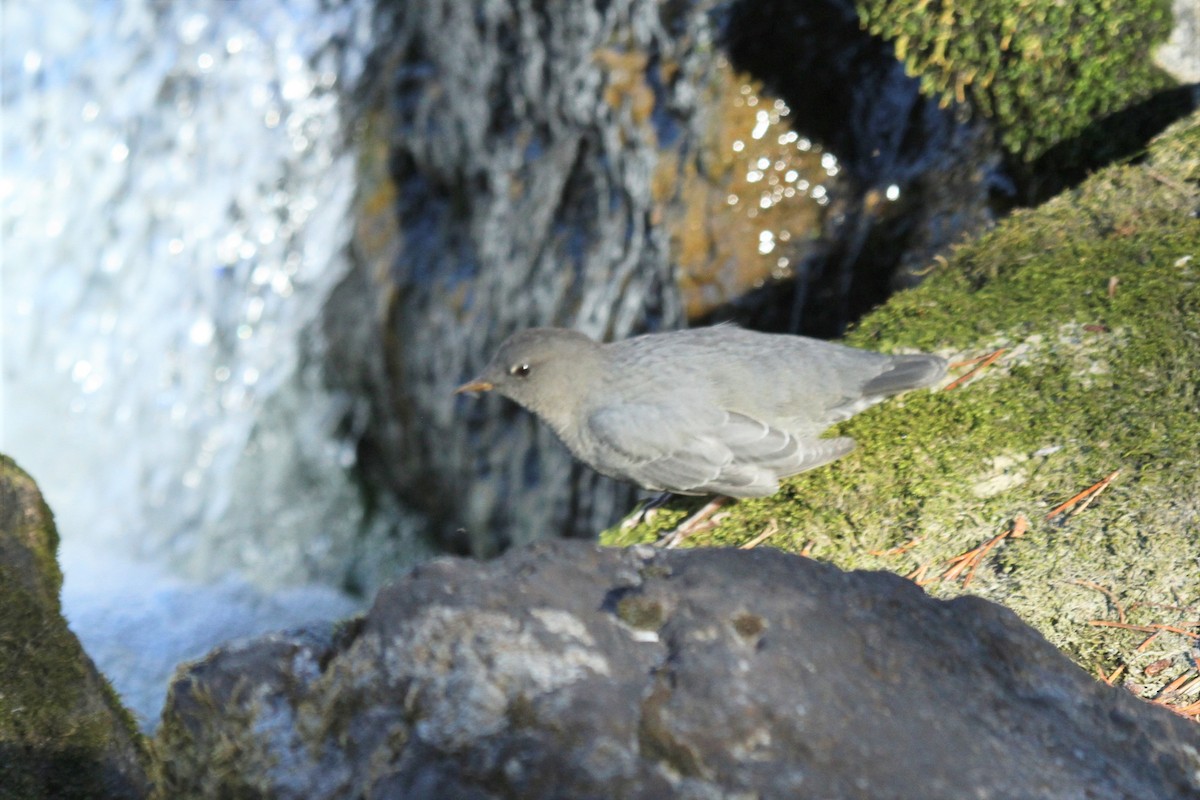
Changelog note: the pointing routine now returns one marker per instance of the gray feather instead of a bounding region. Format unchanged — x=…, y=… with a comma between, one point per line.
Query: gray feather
x=714, y=410
x=904, y=373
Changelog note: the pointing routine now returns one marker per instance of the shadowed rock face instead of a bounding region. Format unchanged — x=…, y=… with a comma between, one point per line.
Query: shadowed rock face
x=63, y=734
x=603, y=167
x=519, y=147
x=566, y=670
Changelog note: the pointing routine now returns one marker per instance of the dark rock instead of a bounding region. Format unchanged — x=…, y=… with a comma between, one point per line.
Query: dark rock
x=609, y=168
x=567, y=670
x=917, y=173
x=519, y=146
x=63, y=733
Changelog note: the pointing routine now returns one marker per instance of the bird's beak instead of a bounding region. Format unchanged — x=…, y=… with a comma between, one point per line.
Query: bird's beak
x=474, y=386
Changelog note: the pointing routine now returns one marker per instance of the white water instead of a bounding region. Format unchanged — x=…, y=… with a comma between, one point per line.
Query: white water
x=175, y=199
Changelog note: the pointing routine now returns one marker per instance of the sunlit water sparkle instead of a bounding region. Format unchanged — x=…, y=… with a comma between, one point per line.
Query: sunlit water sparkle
x=175, y=206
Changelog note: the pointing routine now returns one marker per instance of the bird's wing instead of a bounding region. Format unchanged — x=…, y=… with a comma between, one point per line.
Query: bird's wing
x=712, y=452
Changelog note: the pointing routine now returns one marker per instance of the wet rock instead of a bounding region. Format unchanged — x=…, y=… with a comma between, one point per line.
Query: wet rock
x=911, y=175
x=567, y=670
x=509, y=184
x=653, y=171
x=63, y=733
x=746, y=202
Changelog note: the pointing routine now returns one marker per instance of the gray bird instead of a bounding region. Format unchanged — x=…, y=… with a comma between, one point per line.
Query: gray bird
x=716, y=410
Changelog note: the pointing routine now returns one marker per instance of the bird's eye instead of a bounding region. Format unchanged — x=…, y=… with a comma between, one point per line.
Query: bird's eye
x=519, y=370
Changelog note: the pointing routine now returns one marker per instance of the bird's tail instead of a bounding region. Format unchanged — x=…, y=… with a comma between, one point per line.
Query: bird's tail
x=906, y=372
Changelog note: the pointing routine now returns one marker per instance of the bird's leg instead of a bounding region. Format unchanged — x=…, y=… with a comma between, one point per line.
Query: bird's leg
x=647, y=511
x=693, y=523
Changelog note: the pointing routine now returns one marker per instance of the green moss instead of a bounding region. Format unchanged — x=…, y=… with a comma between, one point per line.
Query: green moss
x=63, y=733
x=202, y=759
x=1091, y=382
x=1042, y=69
x=641, y=613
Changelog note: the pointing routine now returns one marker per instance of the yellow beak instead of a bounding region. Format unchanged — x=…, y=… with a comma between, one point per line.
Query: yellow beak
x=474, y=386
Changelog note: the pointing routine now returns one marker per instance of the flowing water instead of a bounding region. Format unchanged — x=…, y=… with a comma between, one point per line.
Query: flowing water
x=175, y=201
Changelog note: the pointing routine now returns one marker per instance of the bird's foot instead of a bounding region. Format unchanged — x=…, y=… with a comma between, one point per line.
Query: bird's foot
x=647, y=512
x=702, y=520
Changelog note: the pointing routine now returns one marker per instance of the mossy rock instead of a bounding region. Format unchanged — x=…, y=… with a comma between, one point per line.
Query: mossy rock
x=1096, y=298
x=63, y=732
x=1044, y=70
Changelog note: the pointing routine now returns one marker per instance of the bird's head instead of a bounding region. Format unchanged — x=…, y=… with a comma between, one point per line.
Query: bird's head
x=547, y=370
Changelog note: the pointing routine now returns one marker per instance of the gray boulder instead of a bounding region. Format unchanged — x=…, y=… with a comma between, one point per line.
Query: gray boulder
x=569, y=670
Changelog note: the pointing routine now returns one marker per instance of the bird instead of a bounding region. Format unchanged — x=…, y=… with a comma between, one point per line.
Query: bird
x=718, y=410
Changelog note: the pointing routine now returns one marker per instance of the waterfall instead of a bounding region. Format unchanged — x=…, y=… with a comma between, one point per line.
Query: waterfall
x=176, y=190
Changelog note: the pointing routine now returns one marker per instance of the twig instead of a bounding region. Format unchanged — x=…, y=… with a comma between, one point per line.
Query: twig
x=970, y=561
x=771, y=530
x=1112, y=598
x=983, y=364
x=967, y=362
x=898, y=549
x=1175, y=684
x=917, y=576
x=1190, y=711
x=1111, y=679
x=1156, y=627
x=1089, y=494
x=1108, y=623
x=1168, y=181
x=1179, y=631
x=1146, y=643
